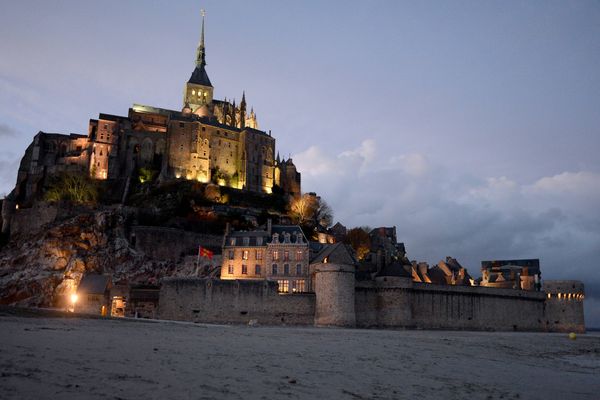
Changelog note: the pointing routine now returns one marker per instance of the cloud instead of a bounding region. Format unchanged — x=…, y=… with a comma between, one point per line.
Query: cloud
x=8, y=173
x=441, y=213
x=6, y=131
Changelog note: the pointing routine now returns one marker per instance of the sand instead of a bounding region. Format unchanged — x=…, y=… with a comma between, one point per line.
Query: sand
x=77, y=358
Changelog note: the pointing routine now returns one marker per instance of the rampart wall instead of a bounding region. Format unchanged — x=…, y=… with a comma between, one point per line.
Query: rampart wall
x=388, y=302
x=564, y=306
x=233, y=302
x=171, y=244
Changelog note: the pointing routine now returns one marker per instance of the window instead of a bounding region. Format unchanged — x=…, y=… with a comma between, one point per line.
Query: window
x=244, y=269
x=274, y=269
x=299, y=255
x=299, y=286
x=245, y=255
x=230, y=270
x=275, y=255
x=286, y=269
x=257, y=269
x=181, y=125
x=298, y=269
x=283, y=286
x=232, y=241
x=258, y=254
x=286, y=255
x=231, y=254
x=246, y=241
x=259, y=241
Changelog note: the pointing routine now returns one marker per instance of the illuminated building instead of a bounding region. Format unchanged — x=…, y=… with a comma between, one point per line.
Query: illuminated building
x=208, y=140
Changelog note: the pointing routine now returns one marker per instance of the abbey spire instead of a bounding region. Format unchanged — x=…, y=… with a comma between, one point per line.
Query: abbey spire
x=198, y=90
x=201, y=51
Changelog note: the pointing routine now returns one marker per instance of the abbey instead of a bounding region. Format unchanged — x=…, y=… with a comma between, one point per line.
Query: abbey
x=208, y=140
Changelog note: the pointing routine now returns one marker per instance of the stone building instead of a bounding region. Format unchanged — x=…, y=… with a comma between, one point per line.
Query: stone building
x=278, y=253
x=93, y=294
x=517, y=274
x=206, y=140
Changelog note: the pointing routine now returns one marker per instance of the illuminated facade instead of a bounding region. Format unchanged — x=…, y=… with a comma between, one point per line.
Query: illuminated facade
x=209, y=140
x=280, y=253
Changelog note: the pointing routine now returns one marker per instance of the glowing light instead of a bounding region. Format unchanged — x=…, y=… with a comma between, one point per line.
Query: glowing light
x=177, y=175
x=268, y=190
x=221, y=182
x=16, y=206
x=74, y=298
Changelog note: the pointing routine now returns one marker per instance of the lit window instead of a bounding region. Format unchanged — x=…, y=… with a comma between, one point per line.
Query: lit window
x=257, y=269
x=299, y=286
x=231, y=254
x=232, y=241
x=245, y=255
x=283, y=286
x=259, y=241
x=275, y=255
x=259, y=254
x=274, y=269
x=193, y=92
x=299, y=255
x=286, y=255
x=298, y=269
x=230, y=270
x=286, y=269
x=244, y=270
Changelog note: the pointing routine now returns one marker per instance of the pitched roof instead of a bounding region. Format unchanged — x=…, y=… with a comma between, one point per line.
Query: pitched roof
x=94, y=284
x=394, y=269
x=337, y=253
x=200, y=77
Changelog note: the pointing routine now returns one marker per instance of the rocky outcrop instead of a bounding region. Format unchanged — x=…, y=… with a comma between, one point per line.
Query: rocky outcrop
x=42, y=268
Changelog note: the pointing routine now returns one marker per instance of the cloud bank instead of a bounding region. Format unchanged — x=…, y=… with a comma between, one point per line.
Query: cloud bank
x=441, y=213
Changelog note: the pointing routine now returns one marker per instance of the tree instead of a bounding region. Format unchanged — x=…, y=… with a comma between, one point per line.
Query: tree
x=75, y=187
x=359, y=240
x=324, y=214
x=302, y=209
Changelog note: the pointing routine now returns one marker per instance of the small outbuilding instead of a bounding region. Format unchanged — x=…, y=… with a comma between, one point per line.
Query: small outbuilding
x=93, y=294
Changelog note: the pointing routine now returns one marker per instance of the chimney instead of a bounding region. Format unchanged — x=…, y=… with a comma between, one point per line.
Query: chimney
x=269, y=226
x=227, y=228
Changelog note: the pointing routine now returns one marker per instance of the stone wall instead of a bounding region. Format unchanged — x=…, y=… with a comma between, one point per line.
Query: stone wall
x=564, y=306
x=390, y=302
x=236, y=302
x=30, y=220
x=171, y=244
x=398, y=302
x=476, y=308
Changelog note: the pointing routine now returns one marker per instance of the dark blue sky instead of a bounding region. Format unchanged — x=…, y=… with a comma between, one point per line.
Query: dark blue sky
x=473, y=127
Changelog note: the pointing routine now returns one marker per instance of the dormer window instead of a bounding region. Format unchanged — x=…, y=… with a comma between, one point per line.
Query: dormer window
x=259, y=241
x=232, y=242
x=275, y=238
x=246, y=241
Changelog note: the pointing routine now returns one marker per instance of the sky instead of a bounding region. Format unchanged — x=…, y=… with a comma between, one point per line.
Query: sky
x=473, y=127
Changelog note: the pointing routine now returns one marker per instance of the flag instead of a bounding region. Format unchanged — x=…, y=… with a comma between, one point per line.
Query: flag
x=204, y=252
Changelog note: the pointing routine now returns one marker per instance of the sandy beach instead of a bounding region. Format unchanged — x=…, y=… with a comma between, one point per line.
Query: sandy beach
x=78, y=358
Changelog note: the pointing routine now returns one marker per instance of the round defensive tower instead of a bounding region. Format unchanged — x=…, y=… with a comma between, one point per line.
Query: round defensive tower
x=564, y=306
x=334, y=289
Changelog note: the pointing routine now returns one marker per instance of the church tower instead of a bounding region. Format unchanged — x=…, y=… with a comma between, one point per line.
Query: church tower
x=198, y=90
